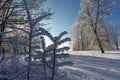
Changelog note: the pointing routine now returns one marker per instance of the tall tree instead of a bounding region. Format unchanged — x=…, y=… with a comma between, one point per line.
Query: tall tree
x=93, y=12
x=32, y=23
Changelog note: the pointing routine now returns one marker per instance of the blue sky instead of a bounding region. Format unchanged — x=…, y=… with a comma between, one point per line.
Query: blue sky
x=65, y=14
x=115, y=14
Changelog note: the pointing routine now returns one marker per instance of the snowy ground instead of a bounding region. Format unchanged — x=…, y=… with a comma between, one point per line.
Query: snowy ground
x=107, y=54
x=97, y=67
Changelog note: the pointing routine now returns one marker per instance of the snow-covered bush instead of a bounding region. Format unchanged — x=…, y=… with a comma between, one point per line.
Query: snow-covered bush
x=13, y=68
x=53, y=55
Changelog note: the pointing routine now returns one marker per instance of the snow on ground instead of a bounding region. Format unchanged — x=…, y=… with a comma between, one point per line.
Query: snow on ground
x=107, y=54
x=94, y=66
x=118, y=52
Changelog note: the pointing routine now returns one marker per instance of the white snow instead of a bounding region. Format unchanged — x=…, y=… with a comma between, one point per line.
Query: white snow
x=93, y=65
x=89, y=65
x=107, y=54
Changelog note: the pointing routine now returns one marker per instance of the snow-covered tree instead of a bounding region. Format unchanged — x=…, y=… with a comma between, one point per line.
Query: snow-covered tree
x=115, y=35
x=32, y=23
x=53, y=55
x=75, y=37
x=24, y=38
x=92, y=16
x=6, y=10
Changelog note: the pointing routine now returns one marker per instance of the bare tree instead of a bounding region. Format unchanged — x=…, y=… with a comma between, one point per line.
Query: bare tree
x=6, y=10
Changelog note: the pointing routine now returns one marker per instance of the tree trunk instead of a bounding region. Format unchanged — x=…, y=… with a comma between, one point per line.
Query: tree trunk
x=82, y=43
x=78, y=45
x=54, y=61
x=99, y=42
x=30, y=37
x=117, y=46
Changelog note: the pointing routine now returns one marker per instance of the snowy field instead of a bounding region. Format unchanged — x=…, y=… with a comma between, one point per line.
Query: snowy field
x=107, y=54
x=92, y=65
